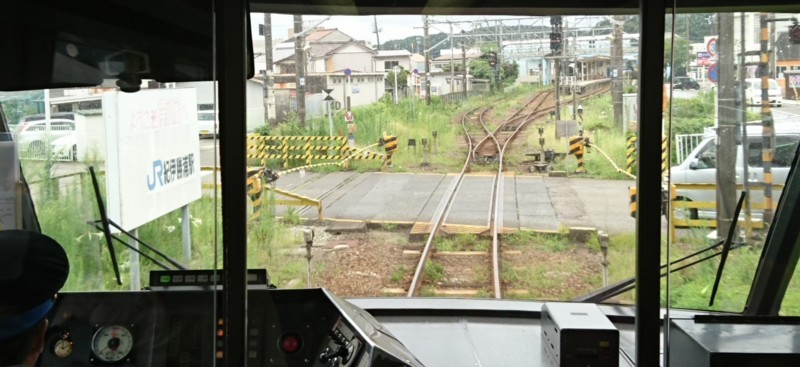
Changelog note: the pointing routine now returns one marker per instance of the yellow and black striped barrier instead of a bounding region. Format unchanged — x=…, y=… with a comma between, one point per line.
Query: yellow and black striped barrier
x=287, y=148
x=258, y=137
x=630, y=153
x=634, y=206
x=390, y=146
x=577, y=146
x=254, y=192
x=664, y=155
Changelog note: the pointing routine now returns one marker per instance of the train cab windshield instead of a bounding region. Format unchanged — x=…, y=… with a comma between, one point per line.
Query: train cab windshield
x=343, y=184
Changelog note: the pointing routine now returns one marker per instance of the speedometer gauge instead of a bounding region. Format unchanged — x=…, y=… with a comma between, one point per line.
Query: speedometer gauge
x=112, y=343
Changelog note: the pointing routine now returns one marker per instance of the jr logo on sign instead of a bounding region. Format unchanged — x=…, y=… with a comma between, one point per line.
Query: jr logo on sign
x=168, y=171
x=158, y=169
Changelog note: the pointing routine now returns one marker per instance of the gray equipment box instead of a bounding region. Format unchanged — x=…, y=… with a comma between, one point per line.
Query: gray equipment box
x=579, y=335
x=715, y=341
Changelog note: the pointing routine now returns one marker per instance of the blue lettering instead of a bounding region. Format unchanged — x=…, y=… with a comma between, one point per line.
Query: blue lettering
x=157, y=178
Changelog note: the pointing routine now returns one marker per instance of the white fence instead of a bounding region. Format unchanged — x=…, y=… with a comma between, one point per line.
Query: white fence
x=684, y=144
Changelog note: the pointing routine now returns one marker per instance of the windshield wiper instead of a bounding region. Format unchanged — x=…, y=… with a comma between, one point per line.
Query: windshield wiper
x=625, y=285
x=106, y=229
x=628, y=284
x=726, y=247
x=105, y=223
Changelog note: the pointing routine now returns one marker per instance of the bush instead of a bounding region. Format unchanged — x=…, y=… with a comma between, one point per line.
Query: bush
x=691, y=116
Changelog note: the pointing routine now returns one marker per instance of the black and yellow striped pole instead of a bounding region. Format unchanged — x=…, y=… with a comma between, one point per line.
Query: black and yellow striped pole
x=578, y=148
x=389, y=143
x=633, y=204
x=286, y=153
x=254, y=192
x=767, y=126
x=664, y=156
x=631, y=153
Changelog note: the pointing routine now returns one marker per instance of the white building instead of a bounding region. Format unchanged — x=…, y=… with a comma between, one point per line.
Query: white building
x=387, y=59
x=535, y=60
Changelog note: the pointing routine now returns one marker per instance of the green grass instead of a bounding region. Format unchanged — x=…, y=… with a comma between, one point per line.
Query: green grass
x=547, y=242
x=538, y=281
x=292, y=217
x=691, y=288
x=462, y=242
x=434, y=271
x=411, y=119
x=399, y=274
x=63, y=214
x=427, y=291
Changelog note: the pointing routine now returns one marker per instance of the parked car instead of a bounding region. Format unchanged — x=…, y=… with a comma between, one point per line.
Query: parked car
x=207, y=124
x=33, y=137
x=700, y=166
x=685, y=82
x=753, y=92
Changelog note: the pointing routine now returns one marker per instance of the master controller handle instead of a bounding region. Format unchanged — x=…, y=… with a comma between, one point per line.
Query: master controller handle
x=343, y=350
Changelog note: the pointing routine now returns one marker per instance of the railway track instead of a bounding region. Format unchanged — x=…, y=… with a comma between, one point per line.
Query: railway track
x=483, y=145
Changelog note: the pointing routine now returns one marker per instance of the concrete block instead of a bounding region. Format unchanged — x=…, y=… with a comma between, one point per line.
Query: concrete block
x=339, y=227
x=581, y=234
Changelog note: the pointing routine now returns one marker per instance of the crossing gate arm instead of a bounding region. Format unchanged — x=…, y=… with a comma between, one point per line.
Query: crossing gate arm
x=297, y=200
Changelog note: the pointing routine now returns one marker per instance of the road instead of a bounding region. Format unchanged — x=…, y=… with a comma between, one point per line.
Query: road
x=530, y=201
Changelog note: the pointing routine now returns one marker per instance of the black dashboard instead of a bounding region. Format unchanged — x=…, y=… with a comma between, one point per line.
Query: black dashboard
x=307, y=327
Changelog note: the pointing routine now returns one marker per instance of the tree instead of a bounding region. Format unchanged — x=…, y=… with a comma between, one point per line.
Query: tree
x=699, y=25
x=479, y=68
x=506, y=72
x=630, y=25
x=402, y=78
x=510, y=71
x=682, y=56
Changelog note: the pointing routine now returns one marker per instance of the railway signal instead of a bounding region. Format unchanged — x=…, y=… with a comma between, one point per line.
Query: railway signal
x=794, y=33
x=492, y=56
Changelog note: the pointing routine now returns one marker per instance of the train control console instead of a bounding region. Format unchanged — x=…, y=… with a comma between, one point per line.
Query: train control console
x=176, y=328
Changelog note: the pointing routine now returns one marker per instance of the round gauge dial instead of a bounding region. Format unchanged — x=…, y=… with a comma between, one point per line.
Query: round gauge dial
x=112, y=343
x=62, y=348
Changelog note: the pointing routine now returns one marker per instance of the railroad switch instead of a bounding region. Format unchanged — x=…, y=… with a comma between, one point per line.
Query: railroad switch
x=544, y=158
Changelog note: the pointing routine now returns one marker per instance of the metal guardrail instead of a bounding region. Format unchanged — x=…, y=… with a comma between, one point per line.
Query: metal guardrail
x=746, y=222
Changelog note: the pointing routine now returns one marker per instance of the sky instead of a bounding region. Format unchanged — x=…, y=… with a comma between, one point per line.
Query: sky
x=398, y=26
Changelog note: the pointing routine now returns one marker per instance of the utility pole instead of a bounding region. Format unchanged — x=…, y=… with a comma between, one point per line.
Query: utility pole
x=377, y=33
x=300, y=69
x=427, y=79
x=726, y=126
x=743, y=120
x=772, y=52
x=616, y=68
x=452, y=63
x=575, y=76
x=464, y=64
x=767, y=127
x=556, y=38
x=268, y=60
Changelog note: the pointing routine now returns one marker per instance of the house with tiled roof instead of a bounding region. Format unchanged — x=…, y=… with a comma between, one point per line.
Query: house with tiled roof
x=329, y=55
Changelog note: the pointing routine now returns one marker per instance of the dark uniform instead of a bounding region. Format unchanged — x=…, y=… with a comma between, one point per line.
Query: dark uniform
x=33, y=267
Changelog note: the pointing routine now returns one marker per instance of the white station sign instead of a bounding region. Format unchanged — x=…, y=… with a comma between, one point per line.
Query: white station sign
x=153, y=161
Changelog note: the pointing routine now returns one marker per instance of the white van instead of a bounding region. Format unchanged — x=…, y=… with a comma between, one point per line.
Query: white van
x=753, y=92
x=700, y=166
x=207, y=124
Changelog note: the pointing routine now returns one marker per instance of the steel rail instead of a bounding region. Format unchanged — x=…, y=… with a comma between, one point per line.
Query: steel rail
x=499, y=186
x=495, y=220
x=440, y=214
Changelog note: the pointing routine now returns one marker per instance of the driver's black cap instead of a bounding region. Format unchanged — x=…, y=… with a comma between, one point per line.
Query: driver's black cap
x=33, y=268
